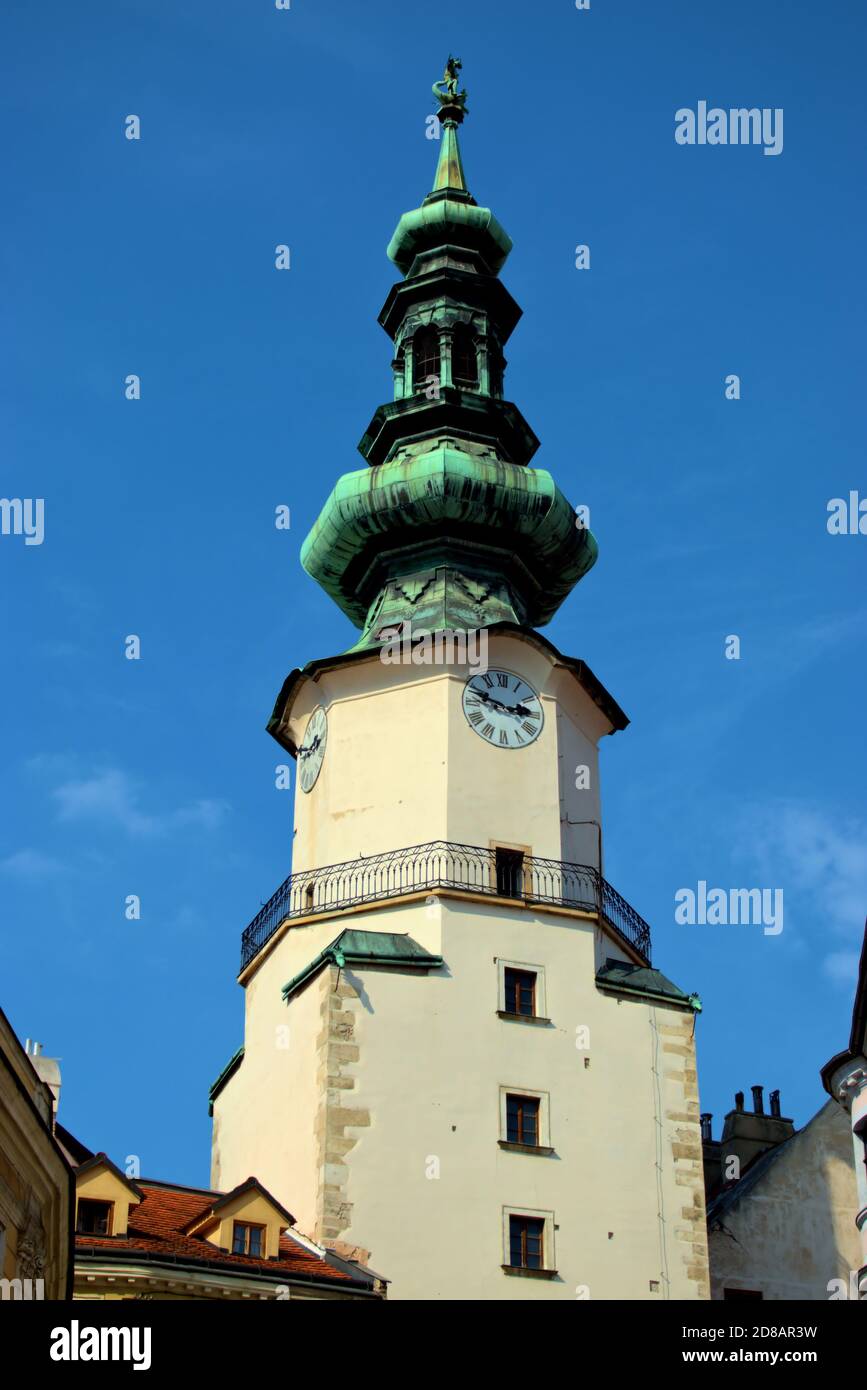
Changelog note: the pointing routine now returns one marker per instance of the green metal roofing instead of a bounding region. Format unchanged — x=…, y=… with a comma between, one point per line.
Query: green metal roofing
x=228, y=1070
x=450, y=166
x=366, y=948
x=449, y=214
x=623, y=977
x=448, y=529
x=447, y=491
x=447, y=219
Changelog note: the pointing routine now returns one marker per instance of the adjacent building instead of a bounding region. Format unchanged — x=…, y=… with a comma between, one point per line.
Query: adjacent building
x=845, y=1079
x=36, y=1186
x=452, y=1022
x=141, y=1239
x=781, y=1203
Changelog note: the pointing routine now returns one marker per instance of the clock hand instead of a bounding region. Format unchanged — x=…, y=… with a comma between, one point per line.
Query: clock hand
x=516, y=711
x=489, y=700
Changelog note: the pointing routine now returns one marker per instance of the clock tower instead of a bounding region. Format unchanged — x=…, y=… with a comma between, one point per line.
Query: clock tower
x=459, y=1064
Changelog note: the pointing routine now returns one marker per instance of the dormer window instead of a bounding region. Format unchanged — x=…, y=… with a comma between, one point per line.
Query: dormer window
x=94, y=1218
x=465, y=362
x=248, y=1240
x=425, y=358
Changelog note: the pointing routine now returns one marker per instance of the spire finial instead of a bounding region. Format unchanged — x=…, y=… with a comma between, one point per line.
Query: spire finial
x=453, y=107
x=453, y=104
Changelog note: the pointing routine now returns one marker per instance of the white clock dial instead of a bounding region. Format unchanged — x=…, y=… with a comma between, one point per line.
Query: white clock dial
x=503, y=708
x=312, y=749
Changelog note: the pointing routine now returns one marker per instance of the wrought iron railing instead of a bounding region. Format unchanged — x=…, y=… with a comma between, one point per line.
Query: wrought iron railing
x=442, y=864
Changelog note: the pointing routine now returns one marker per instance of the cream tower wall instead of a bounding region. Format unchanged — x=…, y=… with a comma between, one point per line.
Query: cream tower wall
x=379, y=1123
x=433, y=1058
x=403, y=767
x=370, y=1103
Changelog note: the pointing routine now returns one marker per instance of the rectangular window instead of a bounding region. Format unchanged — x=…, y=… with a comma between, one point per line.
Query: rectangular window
x=526, y=1241
x=520, y=992
x=94, y=1218
x=248, y=1240
x=522, y=1120
x=510, y=873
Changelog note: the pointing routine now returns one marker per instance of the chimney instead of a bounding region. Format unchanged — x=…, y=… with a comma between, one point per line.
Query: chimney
x=47, y=1069
x=706, y=1121
x=748, y=1133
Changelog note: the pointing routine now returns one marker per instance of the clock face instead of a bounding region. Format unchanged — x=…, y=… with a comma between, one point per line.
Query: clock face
x=503, y=709
x=312, y=749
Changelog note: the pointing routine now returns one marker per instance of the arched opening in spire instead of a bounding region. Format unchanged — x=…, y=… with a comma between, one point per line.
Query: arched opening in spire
x=465, y=360
x=425, y=357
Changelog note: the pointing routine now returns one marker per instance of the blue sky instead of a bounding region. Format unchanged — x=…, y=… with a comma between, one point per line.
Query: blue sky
x=155, y=257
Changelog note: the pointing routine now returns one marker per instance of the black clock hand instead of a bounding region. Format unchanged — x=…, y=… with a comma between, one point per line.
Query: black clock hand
x=489, y=700
x=516, y=711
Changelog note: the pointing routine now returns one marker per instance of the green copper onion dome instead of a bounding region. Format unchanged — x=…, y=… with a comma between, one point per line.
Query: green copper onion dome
x=447, y=527
x=449, y=212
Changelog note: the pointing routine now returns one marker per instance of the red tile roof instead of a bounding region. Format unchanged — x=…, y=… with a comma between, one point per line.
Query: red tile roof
x=156, y=1225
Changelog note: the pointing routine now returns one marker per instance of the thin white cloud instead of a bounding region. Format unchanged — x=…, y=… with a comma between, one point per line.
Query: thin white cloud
x=111, y=797
x=31, y=863
x=822, y=863
x=769, y=661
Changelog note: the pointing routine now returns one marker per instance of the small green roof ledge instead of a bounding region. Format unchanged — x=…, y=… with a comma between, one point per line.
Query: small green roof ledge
x=449, y=212
x=642, y=981
x=360, y=948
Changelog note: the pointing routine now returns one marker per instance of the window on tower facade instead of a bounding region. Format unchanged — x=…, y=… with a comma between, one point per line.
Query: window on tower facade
x=525, y=1120
x=510, y=873
x=465, y=363
x=248, y=1240
x=425, y=357
x=520, y=992
x=522, y=1120
x=526, y=1242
